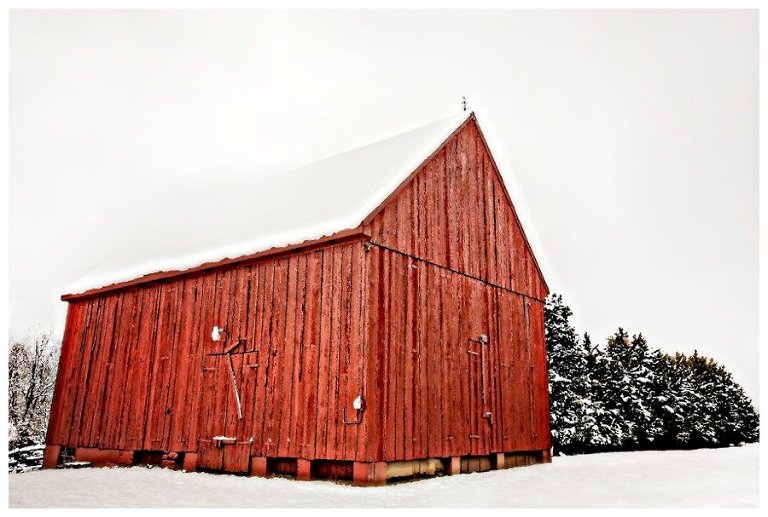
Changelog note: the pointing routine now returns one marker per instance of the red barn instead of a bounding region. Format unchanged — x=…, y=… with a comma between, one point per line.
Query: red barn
x=395, y=330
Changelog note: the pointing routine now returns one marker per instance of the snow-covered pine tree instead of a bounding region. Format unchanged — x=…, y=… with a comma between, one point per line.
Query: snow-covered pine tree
x=599, y=420
x=567, y=365
x=642, y=371
x=627, y=395
x=613, y=393
x=719, y=412
x=669, y=401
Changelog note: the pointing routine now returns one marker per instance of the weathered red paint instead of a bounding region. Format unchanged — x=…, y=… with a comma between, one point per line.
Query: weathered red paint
x=431, y=310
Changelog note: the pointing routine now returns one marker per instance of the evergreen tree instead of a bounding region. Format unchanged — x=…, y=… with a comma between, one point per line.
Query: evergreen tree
x=627, y=395
x=614, y=393
x=567, y=369
x=600, y=421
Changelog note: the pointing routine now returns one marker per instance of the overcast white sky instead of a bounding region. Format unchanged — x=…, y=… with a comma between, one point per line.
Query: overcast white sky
x=629, y=141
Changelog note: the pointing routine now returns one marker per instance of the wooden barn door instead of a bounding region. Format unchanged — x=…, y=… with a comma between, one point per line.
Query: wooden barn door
x=226, y=408
x=475, y=323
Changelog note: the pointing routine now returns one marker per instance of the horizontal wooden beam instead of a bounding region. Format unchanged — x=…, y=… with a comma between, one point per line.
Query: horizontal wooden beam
x=456, y=271
x=341, y=236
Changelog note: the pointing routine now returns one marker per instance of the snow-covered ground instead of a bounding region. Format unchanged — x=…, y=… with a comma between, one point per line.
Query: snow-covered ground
x=720, y=477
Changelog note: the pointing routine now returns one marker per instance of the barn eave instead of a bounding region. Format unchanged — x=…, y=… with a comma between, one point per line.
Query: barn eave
x=347, y=235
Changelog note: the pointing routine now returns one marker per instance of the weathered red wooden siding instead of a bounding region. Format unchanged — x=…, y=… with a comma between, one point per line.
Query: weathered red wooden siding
x=455, y=211
x=139, y=370
x=451, y=262
x=426, y=393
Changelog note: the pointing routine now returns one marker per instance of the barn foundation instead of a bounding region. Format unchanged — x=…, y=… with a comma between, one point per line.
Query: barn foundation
x=304, y=469
x=259, y=466
x=369, y=473
x=190, y=462
x=378, y=473
x=360, y=473
x=103, y=457
x=453, y=465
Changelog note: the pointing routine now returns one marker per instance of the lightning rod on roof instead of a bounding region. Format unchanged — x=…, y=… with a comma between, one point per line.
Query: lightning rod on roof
x=464, y=103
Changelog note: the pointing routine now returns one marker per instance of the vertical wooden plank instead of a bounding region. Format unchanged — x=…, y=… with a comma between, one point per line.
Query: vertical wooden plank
x=309, y=309
x=313, y=437
x=435, y=349
x=450, y=338
x=252, y=366
x=446, y=211
x=437, y=205
x=518, y=271
x=255, y=310
x=262, y=325
x=470, y=203
x=307, y=376
x=342, y=263
x=293, y=430
x=465, y=321
x=399, y=344
x=490, y=350
x=508, y=342
x=502, y=256
x=397, y=334
x=496, y=344
x=371, y=445
x=355, y=359
x=454, y=248
x=402, y=221
x=306, y=386
x=282, y=418
x=523, y=388
x=410, y=349
x=423, y=227
x=419, y=222
x=320, y=359
x=438, y=369
x=485, y=211
x=541, y=392
x=464, y=209
x=386, y=373
x=492, y=233
x=346, y=371
x=277, y=359
x=422, y=338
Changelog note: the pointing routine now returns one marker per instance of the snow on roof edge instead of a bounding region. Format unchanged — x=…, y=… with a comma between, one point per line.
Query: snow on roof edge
x=90, y=282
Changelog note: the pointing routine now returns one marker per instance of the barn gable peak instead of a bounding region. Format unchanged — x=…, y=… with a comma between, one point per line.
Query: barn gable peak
x=454, y=210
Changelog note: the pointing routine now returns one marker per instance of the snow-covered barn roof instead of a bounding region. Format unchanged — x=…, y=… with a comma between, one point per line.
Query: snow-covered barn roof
x=288, y=208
